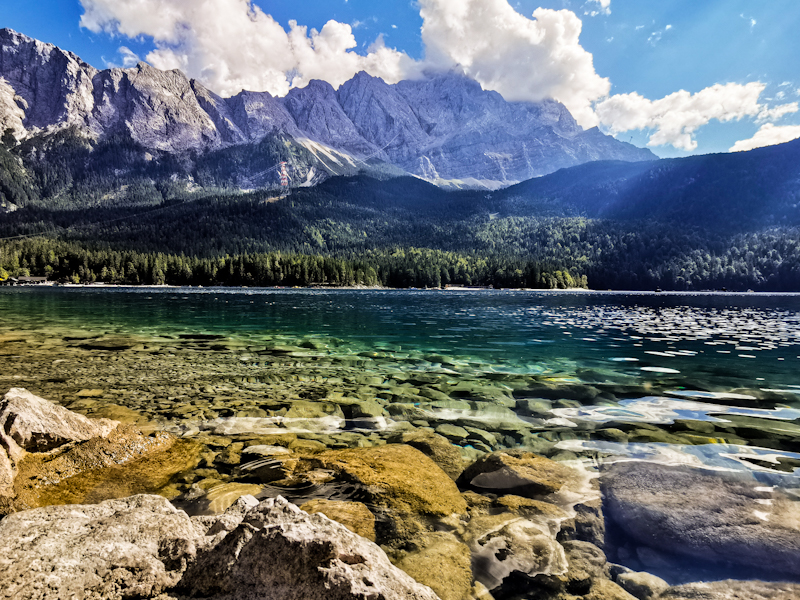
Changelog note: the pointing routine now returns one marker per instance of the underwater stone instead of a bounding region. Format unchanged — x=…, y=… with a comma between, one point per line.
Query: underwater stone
x=353, y=515
x=434, y=446
x=505, y=543
x=441, y=562
x=518, y=473
x=733, y=590
x=452, y=432
x=680, y=513
x=643, y=586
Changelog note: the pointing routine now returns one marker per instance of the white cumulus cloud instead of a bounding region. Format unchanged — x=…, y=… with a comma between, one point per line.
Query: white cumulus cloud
x=768, y=135
x=522, y=58
x=773, y=114
x=674, y=119
x=232, y=45
x=129, y=57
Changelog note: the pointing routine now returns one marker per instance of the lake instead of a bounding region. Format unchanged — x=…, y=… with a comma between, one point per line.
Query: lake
x=706, y=380
x=562, y=362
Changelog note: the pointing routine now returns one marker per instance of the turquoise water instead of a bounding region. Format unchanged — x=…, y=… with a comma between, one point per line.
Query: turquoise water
x=702, y=386
x=722, y=340
x=572, y=368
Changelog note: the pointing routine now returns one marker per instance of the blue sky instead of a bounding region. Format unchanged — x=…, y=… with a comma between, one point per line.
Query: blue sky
x=735, y=59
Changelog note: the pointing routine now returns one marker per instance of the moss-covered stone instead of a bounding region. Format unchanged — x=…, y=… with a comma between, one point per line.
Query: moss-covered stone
x=399, y=477
x=98, y=469
x=436, y=447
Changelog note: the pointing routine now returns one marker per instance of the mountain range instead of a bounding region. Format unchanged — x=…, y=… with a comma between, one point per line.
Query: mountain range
x=161, y=125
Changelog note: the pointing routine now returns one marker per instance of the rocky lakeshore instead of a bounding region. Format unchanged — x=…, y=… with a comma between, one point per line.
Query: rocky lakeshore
x=99, y=509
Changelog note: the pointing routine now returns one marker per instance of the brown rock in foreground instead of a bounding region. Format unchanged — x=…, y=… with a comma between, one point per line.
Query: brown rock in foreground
x=135, y=547
x=280, y=552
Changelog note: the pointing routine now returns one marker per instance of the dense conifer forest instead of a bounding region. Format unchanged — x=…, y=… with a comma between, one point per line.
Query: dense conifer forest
x=107, y=212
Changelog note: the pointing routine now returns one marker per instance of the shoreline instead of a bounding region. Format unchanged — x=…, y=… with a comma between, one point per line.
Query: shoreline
x=408, y=289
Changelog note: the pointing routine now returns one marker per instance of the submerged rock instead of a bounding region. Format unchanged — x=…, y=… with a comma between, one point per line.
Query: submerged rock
x=442, y=562
x=645, y=586
x=733, y=590
x=518, y=473
x=399, y=477
x=678, y=517
x=436, y=447
x=506, y=544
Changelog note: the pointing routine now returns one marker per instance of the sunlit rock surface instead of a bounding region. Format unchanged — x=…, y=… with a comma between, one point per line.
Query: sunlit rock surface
x=142, y=546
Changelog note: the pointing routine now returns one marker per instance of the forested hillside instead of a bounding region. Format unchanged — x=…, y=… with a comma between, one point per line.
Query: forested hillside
x=408, y=232
x=741, y=191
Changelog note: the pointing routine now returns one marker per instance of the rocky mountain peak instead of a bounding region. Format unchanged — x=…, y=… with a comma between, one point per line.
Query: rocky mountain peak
x=444, y=128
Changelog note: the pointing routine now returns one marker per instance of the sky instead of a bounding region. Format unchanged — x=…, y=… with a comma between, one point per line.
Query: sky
x=678, y=76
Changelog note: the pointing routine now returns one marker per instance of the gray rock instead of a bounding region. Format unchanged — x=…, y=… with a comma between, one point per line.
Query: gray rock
x=143, y=547
x=442, y=128
x=279, y=551
x=674, y=513
x=644, y=586
x=34, y=424
x=135, y=547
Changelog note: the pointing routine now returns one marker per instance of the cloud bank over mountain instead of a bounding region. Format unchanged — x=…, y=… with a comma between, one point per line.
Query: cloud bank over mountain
x=232, y=45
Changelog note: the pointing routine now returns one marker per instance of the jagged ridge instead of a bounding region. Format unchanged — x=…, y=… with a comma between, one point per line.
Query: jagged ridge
x=444, y=128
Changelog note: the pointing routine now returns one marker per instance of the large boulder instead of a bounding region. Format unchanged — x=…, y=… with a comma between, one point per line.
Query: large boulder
x=678, y=517
x=34, y=424
x=279, y=552
x=135, y=547
x=143, y=547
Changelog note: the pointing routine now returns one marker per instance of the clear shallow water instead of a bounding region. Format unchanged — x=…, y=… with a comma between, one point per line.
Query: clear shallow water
x=531, y=368
x=702, y=388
